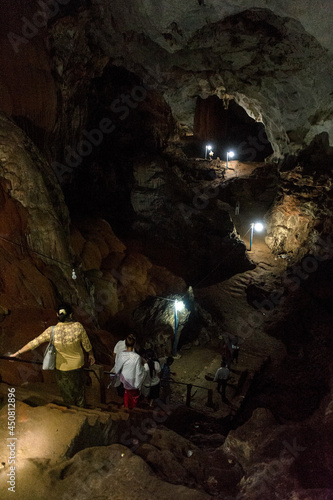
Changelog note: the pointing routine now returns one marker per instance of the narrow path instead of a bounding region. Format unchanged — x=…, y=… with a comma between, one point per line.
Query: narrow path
x=230, y=298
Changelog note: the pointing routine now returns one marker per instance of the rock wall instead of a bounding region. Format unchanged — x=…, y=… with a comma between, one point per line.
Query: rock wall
x=301, y=218
x=28, y=91
x=40, y=248
x=34, y=220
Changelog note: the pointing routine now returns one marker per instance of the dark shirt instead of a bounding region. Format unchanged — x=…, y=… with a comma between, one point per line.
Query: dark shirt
x=165, y=375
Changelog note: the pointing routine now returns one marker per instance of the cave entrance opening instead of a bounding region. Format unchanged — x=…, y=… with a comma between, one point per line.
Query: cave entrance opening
x=226, y=126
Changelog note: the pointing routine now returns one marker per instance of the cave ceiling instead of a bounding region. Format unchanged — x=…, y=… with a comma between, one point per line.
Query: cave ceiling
x=272, y=57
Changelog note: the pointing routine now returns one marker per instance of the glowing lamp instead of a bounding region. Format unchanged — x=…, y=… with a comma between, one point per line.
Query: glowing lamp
x=179, y=306
x=208, y=148
x=230, y=154
x=255, y=226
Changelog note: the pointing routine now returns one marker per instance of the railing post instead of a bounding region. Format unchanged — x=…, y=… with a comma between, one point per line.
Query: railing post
x=210, y=398
x=98, y=379
x=188, y=395
x=98, y=386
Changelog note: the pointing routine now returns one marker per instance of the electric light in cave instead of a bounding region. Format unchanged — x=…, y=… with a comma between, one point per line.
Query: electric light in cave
x=255, y=226
x=258, y=226
x=230, y=154
x=179, y=306
x=208, y=148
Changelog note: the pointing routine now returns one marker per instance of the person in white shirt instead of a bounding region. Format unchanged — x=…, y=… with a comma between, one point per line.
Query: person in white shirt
x=151, y=384
x=235, y=350
x=221, y=377
x=129, y=367
x=118, y=348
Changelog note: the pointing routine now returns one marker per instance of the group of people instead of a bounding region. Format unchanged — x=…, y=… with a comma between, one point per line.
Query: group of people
x=230, y=353
x=140, y=374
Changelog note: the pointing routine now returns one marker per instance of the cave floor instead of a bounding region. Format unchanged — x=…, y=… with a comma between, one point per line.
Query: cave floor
x=198, y=368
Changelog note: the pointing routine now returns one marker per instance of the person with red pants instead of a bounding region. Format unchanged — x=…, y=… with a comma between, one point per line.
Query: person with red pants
x=130, y=369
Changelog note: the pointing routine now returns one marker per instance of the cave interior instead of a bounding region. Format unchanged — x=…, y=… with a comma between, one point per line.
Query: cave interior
x=140, y=143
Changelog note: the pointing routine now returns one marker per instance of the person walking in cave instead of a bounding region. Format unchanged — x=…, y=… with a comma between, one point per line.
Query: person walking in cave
x=70, y=341
x=166, y=379
x=237, y=207
x=235, y=350
x=226, y=351
x=130, y=369
x=151, y=384
x=221, y=377
x=119, y=347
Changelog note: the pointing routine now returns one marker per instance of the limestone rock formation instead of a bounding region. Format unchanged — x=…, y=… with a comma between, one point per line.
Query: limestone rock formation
x=266, y=55
x=31, y=98
x=48, y=435
x=180, y=462
x=186, y=200
x=281, y=454
x=262, y=58
x=40, y=249
x=300, y=221
x=155, y=322
x=113, y=472
x=51, y=438
x=36, y=258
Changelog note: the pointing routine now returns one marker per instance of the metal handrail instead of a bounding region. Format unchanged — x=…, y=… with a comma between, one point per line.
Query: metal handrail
x=100, y=381
x=189, y=387
x=8, y=358
x=105, y=372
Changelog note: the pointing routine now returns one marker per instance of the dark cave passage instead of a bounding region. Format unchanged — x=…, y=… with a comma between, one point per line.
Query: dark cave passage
x=226, y=126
